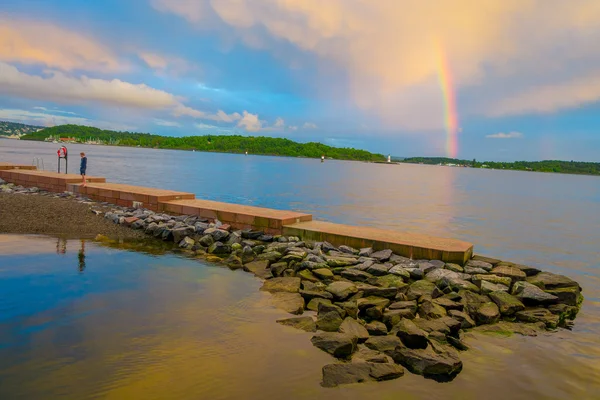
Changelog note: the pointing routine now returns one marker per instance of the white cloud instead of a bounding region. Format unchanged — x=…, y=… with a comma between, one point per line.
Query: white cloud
x=38, y=42
x=220, y=115
x=309, y=125
x=205, y=126
x=166, y=64
x=163, y=122
x=279, y=123
x=293, y=128
x=502, y=135
x=250, y=122
x=46, y=119
x=497, y=64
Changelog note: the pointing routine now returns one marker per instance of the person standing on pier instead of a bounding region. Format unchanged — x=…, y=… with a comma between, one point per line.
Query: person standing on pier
x=82, y=167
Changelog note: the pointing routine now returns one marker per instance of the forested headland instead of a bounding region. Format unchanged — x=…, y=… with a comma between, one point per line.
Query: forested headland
x=210, y=143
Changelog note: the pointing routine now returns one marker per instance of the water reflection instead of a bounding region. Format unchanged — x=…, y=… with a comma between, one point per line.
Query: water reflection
x=81, y=256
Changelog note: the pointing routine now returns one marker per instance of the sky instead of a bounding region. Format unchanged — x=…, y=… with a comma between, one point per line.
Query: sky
x=498, y=80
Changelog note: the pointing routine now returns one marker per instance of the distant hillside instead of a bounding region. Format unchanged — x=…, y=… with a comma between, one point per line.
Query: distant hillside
x=16, y=129
x=211, y=143
x=564, y=167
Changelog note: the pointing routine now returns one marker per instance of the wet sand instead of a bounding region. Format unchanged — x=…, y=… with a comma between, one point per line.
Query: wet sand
x=37, y=214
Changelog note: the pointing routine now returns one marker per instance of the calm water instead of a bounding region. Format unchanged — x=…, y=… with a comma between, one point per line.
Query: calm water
x=135, y=326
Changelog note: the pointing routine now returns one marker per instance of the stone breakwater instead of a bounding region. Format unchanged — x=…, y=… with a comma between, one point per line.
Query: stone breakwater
x=375, y=312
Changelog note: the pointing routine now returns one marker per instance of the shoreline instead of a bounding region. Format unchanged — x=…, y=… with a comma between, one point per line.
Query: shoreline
x=377, y=309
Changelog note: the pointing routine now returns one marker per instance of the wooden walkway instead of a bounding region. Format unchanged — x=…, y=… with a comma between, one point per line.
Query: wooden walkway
x=413, y=245
x=239, y=216
x=5, y=166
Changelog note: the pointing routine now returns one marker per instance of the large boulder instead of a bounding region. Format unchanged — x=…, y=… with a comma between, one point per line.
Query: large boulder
x=568, y=295
x=219, y=248
x=340, y=261
x=465, y=319
x=507, y=304
x=420, y=288
x=383, y=343
x=437, y=274
x=272, y=256
x=458, y=284
x=306, y=324
x=292, y=303
x=339, y=374
x=329, y=321
x=487, y=313
x=259, y=268
x=180, y=233
x=341, y=290
x=378, y=269
x=313, y=304
x=443, y=364
x=376, y=328
x=499, y=280
x=549, y=281
x=372, y=301
x=352, y=327
x=382, y=255
x=489, y=287
x=371, y=290
x=355, y=275
x=430, y=310
x=530, y=294
x=282, y=284
x=402, y=305
x=323, y=273
x=477, y=263
x=514, y=273
x=539, y=315
x=410, y=335
x=217, y=234
x=388, y=281
x=340, y=345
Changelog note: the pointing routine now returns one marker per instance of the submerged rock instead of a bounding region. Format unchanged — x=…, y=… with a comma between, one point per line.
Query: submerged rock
x=292, y=303
x=539, y=315
x=283, y=284
x=443, y=364
x=339, y=374
x=303, y=323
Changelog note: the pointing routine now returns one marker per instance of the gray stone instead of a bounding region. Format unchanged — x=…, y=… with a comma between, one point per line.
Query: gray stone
x=325, y=308
x=347, y=249
x=426, y=266
x=383, y=343
x=454, y=267
x=448, y=304
x=352, y=327
x=514, y=273
x=342, y=290
x=303, y=323
x=376, y=328
x=323, y=273
x=549, y=281
x=329, y=321
x=499, y=280
x=430, y=310
x=339, y=374
x=340, y=345
x=186, y=242
x=217, y=234
x=568, y=295
x=355, y=275
x=466, y=322
x=475, y=270
x=401, y=305
x=439, y=274
x=487, y=313
x=507, y=304
x=489, y=287
x=400, y=271
x=283, y=284
x=340, y=261
x=479, y=264
x=365, y=252
x=392, y=317
x=530, y=294
x=378, y=269
x=420, y=288
x=427, y=362
x=410, y=335
x=292, y=303
x=272, y=256
x=459, y=284
x=219, y=248
x=370, y=290
x=234, y=262
x=382, y=255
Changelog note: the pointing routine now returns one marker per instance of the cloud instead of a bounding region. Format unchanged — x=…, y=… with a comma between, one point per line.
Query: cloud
x=309, y=125
x=387, y=56
x=220, y=115
x=250, y=122
x=163, y=122
x=205, y=126
x=166, y=64
x=46, y=119
x=279, y=123
x=37, y=42
x=501, y=135
x=292, y=128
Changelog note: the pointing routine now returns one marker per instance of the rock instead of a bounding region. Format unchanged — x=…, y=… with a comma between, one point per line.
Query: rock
x=323, y=273
x=410, y=335
x=372, y=301
x=430, y=310
x=234, y=262
x=444, y=364
x=388, y=281
x=289, y=273
x=549, y=281
x=457, y=343
x=248, y=254
x=347, y=249
x=339, y=345
x=489, y=287
x=303, y=323
x=378, y=269
x=272, y=256
x=365, y=252
x=531, y=295
x=278, y=268
x=415, y=273
x=475, y=270
x=426, y=266
x=355, y=275
x=465, y=320
x=364, y=354
x=499, y=280
x=400, y=271
x=439, y=274
x=265, y=238
x=341, y=290
x=350, y=307
x=340, y=261
x=568, y=295
x=420, y=288
x=234, y=238
x=329, y=321
x=259, y=268
x=539, y=315
x=479, y=264
x=409, y=305
x=383, y=343
x=292, y=303
x=448, y=304
x=514, y=273
x=487, y=313
x=313, y=304
x=251, y=234
x=308, y=295
x=352, y=327
x=529, y=271
x=219, y=248
x=488, y=260
x=339, y=374
x=507, y=304
x=382, y=255
x=471, y=301
x=506, y=328
x=370, y=290
x=375, y=312
x=186, y=242
x=433, y=325
x=217, y=234
x=391, y=317
x=376, y=328
x=454, y=267
x=206, y=240
x=283, y=284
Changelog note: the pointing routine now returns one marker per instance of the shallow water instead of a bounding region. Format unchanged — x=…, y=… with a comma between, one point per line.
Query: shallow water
x=141, y=329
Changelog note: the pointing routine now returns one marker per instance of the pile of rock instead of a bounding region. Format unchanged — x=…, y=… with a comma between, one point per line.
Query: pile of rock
x=375, y=311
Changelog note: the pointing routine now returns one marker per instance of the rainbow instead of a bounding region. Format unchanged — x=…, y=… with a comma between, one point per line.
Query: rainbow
x=449, y=97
